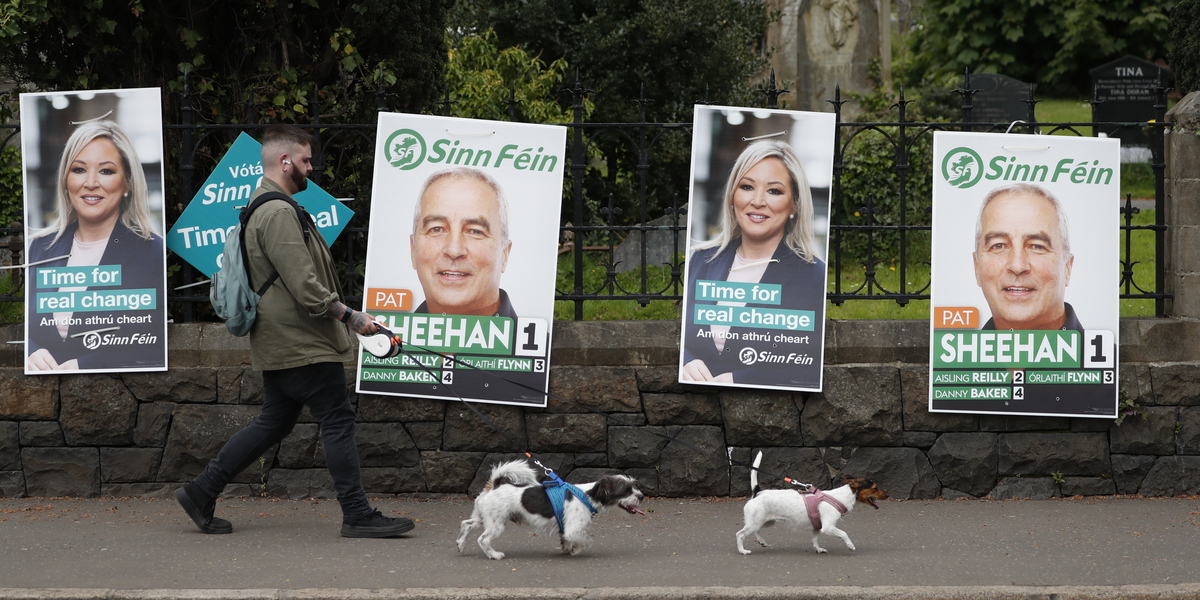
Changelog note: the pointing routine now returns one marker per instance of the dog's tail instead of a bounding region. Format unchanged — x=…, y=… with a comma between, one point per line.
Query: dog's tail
x=754, y=489
x=517, y=472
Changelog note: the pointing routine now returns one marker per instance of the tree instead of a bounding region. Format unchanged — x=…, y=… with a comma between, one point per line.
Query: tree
x=671, y=53
x=676, y=52
x=484, y=80
x=1185, y=48
x=289, y=60
x=274, y=53
x=1050, y=43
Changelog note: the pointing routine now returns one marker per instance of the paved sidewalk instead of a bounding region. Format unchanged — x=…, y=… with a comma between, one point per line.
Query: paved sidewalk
x=69, y=549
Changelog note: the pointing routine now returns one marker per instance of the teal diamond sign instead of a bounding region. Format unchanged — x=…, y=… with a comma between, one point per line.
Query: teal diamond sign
x=199, y=235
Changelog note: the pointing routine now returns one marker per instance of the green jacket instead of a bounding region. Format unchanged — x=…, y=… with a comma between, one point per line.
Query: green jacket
x=291, y=329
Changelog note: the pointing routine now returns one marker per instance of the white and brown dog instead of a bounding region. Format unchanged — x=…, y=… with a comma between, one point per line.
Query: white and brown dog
x=513, y=493
x=819, y=510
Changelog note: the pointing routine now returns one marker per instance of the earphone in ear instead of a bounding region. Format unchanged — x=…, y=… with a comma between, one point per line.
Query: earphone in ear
x=287, y=162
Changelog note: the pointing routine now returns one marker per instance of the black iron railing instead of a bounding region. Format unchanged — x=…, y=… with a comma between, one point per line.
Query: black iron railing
x=866, y=230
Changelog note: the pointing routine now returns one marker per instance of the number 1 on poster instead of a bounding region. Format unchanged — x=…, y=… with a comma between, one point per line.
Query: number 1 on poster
x=531, y=337
x=1099, y=351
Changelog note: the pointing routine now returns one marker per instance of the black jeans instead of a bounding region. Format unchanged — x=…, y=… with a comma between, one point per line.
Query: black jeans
x=320, y=387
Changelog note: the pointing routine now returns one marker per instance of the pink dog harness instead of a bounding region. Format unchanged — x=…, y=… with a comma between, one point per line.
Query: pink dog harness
x=812, y=500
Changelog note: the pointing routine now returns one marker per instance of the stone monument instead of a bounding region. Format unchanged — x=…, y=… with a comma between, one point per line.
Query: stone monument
x=1000, y=99
x=1125, y=92
x=821, y=44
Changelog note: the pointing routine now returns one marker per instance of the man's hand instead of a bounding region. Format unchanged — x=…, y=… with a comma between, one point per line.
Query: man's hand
x=359, y=322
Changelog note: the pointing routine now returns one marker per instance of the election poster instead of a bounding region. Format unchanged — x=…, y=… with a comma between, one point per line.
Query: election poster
x=199, y=235
x=1024, y=288
x=758, y=226
x=461, y=257
x=95, y=275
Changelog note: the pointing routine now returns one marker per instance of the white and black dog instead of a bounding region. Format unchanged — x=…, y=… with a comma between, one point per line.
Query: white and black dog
x=514, y=494
x=819, y=510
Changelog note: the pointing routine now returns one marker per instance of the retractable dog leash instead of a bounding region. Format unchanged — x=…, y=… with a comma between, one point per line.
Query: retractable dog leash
x=381, y=344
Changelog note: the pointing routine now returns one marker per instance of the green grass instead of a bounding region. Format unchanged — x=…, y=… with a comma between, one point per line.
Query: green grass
x=1137, y=180
x=594, y=277
x=888, y=275
x=1143, y=271
x=1064, y=111
x=1069, y=111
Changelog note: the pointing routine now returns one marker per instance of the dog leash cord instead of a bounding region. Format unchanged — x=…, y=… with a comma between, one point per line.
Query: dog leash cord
x=670, y=438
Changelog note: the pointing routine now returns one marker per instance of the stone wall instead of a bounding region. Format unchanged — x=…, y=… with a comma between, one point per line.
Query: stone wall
x=145, y=434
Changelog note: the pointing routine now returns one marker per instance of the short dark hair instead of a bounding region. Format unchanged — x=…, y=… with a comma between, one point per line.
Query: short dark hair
x=281, y=138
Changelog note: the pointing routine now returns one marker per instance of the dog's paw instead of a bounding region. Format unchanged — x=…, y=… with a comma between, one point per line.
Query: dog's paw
x=743, y=551
x=851, y=546
x=822, y=551
x=495, y=555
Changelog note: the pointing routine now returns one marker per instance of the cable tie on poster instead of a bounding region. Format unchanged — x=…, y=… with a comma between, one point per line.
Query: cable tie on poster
x=760, y=137
x=754, y=263
x=464, y=134
x=1014, y=124
x=193, y=284
x=83, y=333
x=93, y=119
x=35, y=263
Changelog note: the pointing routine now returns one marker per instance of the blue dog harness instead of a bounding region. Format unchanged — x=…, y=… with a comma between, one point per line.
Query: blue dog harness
x=556, y=490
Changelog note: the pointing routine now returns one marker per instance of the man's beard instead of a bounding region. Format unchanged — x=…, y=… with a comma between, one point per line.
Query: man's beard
x=300, y=181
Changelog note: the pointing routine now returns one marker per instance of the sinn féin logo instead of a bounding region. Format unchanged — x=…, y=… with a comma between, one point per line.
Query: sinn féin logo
x=91, y=341
x=962, y=167
x=748, y=356
x=405, y=149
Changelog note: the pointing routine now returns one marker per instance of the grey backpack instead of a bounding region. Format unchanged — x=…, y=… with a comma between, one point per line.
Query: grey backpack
x=232, y=296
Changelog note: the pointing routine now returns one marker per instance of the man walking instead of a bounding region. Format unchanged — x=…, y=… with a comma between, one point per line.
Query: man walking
x=299, y=342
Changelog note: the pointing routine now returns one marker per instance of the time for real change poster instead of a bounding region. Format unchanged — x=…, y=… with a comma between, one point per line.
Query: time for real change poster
x=758, y=223
x=95, y=285
x=1025, y=275
x=462, y=257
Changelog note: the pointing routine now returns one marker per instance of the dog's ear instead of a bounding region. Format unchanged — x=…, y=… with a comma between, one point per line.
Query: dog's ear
x=602, y=490
x=609, y=489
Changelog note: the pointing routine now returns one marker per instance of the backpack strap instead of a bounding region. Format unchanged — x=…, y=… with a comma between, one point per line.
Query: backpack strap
x=244, y=218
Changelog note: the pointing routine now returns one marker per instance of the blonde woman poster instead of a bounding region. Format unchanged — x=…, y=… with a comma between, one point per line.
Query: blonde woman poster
x=754, y=309
x=95, y=296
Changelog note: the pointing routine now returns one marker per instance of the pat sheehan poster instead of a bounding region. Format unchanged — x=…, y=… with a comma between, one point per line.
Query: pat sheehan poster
x=1025, y=275
x=461, y=257
x=758, y=225
x=95, y=279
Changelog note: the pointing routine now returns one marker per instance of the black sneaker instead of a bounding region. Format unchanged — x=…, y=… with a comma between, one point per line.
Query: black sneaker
x=375, y=525
x=201, y=509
